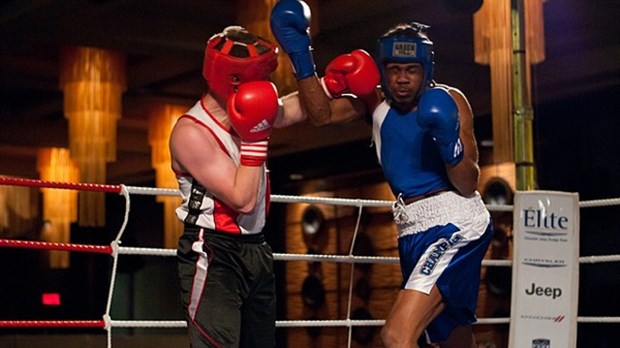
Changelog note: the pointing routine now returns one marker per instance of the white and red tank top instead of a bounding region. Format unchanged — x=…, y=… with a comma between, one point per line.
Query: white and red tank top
x=202, y=208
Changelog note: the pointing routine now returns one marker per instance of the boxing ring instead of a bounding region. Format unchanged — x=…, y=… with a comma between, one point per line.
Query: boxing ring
x=115, y=250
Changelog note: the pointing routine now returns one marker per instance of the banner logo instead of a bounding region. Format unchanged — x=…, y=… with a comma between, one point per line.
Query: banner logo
x=537, y=290
x=404, y=49
x=541, y=343
x=539, y=219
x=543, y=263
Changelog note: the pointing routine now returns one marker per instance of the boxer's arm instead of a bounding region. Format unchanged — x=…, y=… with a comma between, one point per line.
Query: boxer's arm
x=348, y=90
x=315, y=107
x=318, y=109
x=465, y=175
x=314, y=103
x=290, y=24
x=195, y=150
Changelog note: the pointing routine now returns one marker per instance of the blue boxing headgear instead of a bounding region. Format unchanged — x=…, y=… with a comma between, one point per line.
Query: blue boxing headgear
x=406, y=44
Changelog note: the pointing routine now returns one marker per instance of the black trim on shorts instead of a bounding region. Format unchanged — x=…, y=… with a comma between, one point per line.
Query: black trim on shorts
x=255, y=238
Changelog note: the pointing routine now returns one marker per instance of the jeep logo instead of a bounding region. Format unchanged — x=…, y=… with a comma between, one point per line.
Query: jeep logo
x=544, y=291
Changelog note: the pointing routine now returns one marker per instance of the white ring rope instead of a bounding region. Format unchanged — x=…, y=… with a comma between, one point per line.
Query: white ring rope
x=115, y=247
x=148, y=323
x=152, y=191
x=354, y=202
x=327, y=323
x=599, y=203
x=352, y=259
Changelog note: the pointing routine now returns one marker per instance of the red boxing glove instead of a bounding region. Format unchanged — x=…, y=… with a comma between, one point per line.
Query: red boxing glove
x=356, y=73
x=252, y=111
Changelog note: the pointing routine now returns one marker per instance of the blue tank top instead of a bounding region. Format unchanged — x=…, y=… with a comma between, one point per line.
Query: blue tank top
x=408, y=155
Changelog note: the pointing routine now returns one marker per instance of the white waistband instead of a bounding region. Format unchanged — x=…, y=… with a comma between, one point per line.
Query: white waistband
x=442, y=209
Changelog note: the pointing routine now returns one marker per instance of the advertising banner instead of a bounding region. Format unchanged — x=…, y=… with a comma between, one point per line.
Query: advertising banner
x=545, y=274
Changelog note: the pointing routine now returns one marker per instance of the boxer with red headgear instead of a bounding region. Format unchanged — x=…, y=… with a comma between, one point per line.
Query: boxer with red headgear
x=424, y=139
x=219, y=150
x=230, y=62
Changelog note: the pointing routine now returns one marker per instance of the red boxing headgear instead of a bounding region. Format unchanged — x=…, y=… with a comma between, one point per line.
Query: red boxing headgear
x=229, y=62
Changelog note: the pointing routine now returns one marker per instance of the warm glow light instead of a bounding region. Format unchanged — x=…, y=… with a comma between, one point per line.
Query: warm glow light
x=493, y=46
x=93, y=81
x=59, y=206
x=161, y=120
x=19, y=211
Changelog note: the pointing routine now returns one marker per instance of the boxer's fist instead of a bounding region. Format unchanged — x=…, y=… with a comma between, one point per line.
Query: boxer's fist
x=252, y=111
x=356, y=73
x=290, y=24
x=439, y=115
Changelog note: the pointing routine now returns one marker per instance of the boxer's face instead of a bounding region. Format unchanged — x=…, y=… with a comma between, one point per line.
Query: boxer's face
x=405, y=80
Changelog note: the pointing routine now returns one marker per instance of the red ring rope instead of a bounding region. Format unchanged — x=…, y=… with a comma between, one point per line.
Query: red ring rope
x=5, y=180
x=52, y=323
x=11, y=243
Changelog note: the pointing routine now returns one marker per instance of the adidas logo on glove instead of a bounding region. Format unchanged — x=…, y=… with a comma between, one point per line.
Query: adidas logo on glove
x=264, y=124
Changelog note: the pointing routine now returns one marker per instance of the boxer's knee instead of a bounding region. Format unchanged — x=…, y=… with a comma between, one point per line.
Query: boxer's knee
x=392, y=336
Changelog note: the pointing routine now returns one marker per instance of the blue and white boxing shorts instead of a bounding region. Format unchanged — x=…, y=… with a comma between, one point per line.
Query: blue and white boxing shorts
x=442, y=240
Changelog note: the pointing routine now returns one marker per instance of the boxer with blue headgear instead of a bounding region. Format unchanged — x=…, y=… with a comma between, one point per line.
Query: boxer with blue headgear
x=424, y=139
x=406, y=44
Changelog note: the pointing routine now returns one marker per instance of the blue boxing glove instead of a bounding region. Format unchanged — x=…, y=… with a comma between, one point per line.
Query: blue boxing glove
x=439, y=115
x=290, y=24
